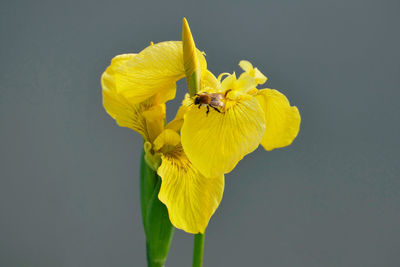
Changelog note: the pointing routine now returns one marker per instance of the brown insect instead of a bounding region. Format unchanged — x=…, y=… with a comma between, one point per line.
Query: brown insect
x=212, y=100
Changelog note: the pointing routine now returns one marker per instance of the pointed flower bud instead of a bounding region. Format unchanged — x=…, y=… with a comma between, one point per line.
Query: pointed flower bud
x=190, y=60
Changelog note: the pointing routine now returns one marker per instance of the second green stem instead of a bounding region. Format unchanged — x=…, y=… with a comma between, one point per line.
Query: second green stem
x=198, y=250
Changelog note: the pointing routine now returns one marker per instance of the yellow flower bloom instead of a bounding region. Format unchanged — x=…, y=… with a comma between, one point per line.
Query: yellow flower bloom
x=216, y=141
x=212, y=131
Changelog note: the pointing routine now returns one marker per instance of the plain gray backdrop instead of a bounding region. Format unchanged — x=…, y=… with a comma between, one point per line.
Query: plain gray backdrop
x=69, y=175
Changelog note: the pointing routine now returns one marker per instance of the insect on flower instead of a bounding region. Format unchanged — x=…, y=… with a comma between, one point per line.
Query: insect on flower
x=213, y=100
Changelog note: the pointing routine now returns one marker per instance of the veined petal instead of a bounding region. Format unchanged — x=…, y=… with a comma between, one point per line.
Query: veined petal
x=190, y=197
x=282, y=120
x=215, y=143
x=155, y=69
x=126, y=113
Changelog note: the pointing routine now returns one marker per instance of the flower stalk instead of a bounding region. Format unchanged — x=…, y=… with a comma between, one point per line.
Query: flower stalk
x=158, y=228
x=198, y=250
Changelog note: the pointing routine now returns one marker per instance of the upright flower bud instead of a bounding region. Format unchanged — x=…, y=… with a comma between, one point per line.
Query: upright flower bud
x=190, y=60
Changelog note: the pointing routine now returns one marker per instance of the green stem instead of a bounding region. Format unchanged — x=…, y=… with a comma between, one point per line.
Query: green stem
x=198, y=250
x=158, y=229
x=148, y=182
x=153, y=262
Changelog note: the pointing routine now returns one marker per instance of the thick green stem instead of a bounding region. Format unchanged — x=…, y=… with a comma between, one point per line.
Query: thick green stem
x=158, y=229
x=153, y=262
x=148, y=181
x=198, y=250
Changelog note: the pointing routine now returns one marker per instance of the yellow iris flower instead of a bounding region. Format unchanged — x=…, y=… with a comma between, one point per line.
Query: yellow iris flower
x=216, y=141
x=193, y=152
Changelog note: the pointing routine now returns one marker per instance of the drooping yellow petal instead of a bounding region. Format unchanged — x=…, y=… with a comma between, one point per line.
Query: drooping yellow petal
x=190, y=197
x=118, y=107
x=282, y=120
x=216, y=142
x=155, y=69
x=164, y=95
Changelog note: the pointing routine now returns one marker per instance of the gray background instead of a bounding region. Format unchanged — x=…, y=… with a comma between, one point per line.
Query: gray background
x=69, y=176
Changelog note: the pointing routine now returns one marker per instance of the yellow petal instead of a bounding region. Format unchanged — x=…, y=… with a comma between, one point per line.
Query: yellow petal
x=126, y=114
x=152, y=158
x=237, y=87
x=155, y=69
x=147, y=117
x=176, y=123
x=259, y=78
x=216, y=142
x=282, y=120
x=190, y=197
x=164, y=95
x=228, y=83
x=209, y=82
x=154, y=117
x=246, y=65
x=167, y=141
